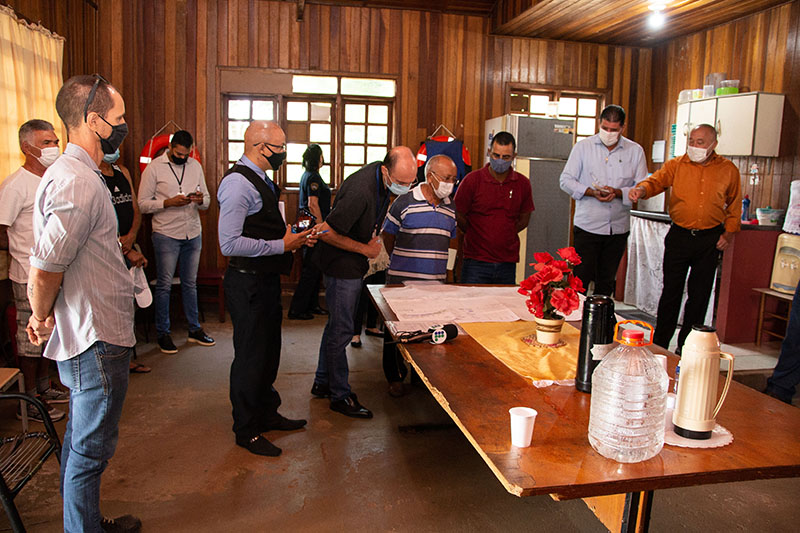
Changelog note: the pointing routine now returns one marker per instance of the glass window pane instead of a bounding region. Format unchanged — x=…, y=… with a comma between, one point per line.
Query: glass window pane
x=294, y=173
x=314, y=84
x=349, y=170
x=379, y=114
x=320, y=133
x=355, y=113
x=263, y=110
x=587, y=107
x=378, y=135
x=325, y=173
x=567, y=106
x=294, y=152
x=519, y=103
x=368, y=87
x=586, y=126
x=326, y=152
x=354, y=134
x=376, y=153
x=297, y=111
x=579, y=138
x=354, y=155
x=235, y=151
x=539, y=103
x=321, y=111
x=236, y=130
x=239, y=109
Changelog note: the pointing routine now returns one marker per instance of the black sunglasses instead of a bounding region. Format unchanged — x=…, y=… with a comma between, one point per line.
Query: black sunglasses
x=91, y=95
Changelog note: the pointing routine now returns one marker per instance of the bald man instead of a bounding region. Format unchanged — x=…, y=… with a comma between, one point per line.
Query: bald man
x=351, y=237
x=259, y=245
x=705, y=205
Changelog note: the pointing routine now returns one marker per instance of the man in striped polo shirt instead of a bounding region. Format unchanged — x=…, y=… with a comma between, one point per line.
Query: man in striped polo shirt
x=417, y=234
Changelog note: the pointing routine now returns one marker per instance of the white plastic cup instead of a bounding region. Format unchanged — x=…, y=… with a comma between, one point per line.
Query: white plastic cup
x=662, y=359
x=522, y=420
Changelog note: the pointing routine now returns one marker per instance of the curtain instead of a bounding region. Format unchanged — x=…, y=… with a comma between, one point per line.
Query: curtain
x=30, y=77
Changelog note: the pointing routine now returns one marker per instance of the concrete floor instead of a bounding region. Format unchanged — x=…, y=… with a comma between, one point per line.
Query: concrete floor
x=178, y=469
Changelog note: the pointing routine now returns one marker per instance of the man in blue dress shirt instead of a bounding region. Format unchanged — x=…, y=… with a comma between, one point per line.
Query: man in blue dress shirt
x=253, y=234
x=600, y=171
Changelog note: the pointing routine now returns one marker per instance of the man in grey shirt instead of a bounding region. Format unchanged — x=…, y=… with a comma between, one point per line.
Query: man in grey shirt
x=81, y=295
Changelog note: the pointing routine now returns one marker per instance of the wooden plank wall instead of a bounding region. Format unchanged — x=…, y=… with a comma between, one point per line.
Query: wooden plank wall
x=763, y=52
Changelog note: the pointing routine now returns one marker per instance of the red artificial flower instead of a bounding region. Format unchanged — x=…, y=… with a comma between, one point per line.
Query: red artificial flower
x=565, y=300
x=549, y=273
x=542, y=257
x=569, y=254
x=536, y=304
x=563, y=266
x=530, y=284
x=576, y=284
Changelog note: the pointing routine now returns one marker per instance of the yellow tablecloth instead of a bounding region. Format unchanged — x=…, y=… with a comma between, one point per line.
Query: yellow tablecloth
x=504, y=341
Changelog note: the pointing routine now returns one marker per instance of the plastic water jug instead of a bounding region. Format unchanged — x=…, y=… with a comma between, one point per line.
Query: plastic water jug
x=629, y=396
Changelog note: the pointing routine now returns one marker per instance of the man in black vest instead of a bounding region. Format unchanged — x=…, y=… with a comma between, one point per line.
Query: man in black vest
x=253, y=234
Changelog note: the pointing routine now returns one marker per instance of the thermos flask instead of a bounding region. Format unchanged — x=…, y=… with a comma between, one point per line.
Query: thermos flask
x=597, y=328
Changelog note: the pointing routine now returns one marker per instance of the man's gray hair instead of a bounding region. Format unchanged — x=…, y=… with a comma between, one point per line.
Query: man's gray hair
x=27, y=130
x=431, y=161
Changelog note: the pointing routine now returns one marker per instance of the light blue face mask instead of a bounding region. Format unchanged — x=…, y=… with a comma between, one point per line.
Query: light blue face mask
x=500, y=166
x=398, y=189
x=111, y=158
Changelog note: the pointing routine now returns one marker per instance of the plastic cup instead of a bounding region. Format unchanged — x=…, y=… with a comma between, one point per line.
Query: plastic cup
x=662, y=359
x=522, y=420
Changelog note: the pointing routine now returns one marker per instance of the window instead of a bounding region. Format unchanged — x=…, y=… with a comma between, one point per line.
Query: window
x=350, y=118
x=584, y=108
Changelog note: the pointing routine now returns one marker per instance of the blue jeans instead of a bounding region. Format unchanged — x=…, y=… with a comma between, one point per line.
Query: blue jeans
x=186, y=254
x=97, y=380
x=483, y=273
x=342, y=297
x=787, y=372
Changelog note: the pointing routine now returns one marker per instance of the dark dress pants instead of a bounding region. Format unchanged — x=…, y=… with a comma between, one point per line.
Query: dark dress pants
x=365, y=305
x=255, y=307
x=696, y=254
x=306, y=295
x=786, y=375
x=600, y=256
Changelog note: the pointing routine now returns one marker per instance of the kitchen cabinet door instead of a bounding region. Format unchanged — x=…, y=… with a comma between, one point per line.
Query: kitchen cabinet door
x=681, y=130
x=702, y=112
x=735, y=121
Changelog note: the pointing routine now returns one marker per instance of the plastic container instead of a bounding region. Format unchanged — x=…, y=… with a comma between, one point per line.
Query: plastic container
x=728, y=87
x=746, y=208
x=769, y=217
x=684, y=96
x=629, y=396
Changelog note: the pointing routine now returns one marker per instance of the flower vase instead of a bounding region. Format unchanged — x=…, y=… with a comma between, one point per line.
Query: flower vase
x=548, y=331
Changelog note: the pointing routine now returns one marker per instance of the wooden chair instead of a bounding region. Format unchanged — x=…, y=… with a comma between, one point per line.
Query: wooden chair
x=21, y=456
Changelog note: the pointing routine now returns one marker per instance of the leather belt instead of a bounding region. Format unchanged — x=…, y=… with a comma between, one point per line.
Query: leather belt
x=245, y=270
x=698, y=232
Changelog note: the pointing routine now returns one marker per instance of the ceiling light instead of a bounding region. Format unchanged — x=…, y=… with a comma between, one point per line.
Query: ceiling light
x=657, y=6
x=656, y=20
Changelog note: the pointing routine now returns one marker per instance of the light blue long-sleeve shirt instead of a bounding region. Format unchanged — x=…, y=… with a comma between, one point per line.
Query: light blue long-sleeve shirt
x=589, y=163
x=238, y=199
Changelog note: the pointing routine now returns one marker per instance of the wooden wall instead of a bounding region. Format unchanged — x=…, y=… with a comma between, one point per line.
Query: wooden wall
x=763, y=52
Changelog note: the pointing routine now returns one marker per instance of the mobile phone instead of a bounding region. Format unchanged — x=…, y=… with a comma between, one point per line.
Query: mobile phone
x=301, y=225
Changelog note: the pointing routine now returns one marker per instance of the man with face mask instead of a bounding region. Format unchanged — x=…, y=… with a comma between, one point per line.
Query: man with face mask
x=39, y=143
x=173, y=189
x=705, y=205
x=81, y=295
x=347, y=238
x=419, y=229
x=600, y=171
x=253, y=234
x=493, y=204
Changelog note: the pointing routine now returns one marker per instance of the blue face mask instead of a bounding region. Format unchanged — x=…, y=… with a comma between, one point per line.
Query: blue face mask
x=500, y=166
x=398, y=189
x=111, y=158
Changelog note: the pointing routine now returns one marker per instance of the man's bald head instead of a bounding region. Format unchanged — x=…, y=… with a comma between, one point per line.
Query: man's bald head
x=400, y=165
x=262, y=139
x=703, y=136
x=707, y=130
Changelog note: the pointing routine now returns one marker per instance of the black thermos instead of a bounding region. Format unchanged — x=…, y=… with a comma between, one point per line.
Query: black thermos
x=597, y=327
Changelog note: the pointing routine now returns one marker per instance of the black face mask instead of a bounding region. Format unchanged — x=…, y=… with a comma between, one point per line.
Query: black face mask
x=276, y=159
x=179, y=160
x=113, y=142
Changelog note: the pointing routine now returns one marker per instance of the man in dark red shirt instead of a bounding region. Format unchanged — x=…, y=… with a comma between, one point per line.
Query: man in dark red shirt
x=493, y=204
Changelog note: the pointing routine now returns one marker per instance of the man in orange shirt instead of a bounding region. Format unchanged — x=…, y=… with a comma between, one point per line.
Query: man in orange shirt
x=705, y=205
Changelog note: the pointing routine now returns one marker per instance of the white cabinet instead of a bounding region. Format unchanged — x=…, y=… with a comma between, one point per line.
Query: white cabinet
x=748, y=124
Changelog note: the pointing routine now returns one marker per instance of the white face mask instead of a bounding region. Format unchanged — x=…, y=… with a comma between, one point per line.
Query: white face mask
x=609, y=138
x=444, y=189
x=49, y=155
x=697, y=155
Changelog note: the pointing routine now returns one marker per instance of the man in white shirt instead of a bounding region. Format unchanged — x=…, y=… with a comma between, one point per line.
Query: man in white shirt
x=173, y=188
x=39, y=143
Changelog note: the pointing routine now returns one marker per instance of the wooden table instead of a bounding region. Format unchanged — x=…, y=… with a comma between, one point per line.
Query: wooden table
x=477, y=391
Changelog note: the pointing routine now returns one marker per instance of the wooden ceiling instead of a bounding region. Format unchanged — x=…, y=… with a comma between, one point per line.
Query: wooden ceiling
x=623, y=22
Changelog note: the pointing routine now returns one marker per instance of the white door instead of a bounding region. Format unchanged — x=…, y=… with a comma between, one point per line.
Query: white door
x=681, y=129
x=702, y=112
x=735, y=119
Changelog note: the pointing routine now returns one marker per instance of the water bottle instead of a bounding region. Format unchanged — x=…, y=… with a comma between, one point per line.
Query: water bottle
x=746, y=208
x=629, y=394
x=597, y=329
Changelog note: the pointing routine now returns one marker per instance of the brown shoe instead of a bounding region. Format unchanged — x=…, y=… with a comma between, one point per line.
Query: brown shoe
x=396, y=389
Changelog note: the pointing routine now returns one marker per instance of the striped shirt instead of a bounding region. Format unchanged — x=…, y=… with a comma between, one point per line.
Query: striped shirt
x=423, y=232
x=76, y=233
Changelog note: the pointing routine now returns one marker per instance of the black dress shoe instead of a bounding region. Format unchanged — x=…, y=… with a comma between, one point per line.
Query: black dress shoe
x=320, y=311
x=259, y=445
x=281, y=423
x=301, y=316
x=350, y=407
x=373, y=333
x=320, y=391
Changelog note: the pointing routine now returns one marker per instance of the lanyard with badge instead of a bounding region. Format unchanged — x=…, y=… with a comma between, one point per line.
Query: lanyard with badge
x=180, y=181
x=378, y=200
